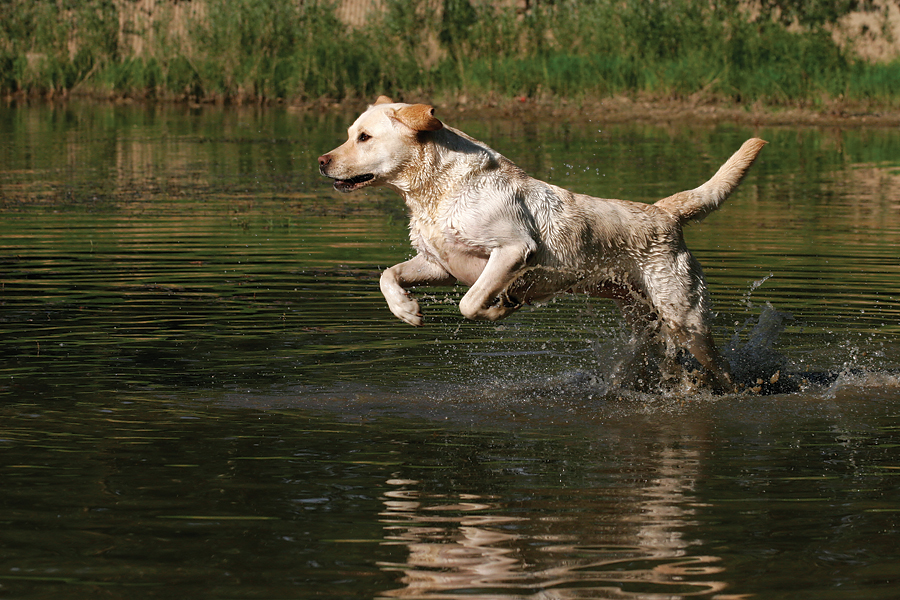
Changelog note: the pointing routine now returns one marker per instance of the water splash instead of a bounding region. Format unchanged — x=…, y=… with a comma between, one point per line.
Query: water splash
x=850, y=382
x=756, y=365
x=617, y=365
x=753, y=287
x=751, y=351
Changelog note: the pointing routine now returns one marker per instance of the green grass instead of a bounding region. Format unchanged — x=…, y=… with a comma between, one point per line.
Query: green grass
x=266, y=50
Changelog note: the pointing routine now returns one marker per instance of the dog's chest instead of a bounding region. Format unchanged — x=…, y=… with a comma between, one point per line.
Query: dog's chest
x=443, y=245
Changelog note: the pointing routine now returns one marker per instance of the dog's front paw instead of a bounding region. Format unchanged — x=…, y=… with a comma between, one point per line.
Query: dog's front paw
x=405, y=307
x=409, y=313
x=399, y=301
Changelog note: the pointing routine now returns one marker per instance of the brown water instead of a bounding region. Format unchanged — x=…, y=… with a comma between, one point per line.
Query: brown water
x=203, y=394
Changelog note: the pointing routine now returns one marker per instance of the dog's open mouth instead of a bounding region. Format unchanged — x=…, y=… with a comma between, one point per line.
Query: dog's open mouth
x=348, y=185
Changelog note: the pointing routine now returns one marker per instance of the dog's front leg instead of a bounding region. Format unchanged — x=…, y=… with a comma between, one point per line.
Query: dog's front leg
x=485, y=300
x=416, y=271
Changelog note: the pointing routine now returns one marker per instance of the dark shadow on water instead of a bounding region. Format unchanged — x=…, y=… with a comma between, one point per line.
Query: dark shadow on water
x=569, y=399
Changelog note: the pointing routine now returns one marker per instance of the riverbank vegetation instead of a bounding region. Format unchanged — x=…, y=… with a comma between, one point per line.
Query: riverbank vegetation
x=299, y=51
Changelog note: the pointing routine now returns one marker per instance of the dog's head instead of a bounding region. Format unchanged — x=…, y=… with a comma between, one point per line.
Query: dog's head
x=379, y=144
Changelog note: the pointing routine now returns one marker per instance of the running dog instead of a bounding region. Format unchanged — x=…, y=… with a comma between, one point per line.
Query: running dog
x=478, y=219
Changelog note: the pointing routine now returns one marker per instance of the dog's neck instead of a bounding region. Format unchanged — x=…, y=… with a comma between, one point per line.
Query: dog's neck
x=445, y=160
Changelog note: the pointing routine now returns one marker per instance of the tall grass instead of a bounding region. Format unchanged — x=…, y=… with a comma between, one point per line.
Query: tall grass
x=39, y=50
x=297, y=50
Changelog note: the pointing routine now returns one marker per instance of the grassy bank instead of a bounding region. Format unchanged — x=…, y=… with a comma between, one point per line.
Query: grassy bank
x=282, y=50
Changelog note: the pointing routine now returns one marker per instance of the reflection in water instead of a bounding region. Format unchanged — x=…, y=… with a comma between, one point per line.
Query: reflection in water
x=471, y=546
x=447, y=551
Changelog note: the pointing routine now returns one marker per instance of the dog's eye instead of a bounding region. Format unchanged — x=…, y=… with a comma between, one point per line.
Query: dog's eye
x=364, y=137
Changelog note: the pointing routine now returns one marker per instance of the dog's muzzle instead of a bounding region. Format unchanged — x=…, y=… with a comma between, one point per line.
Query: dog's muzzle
x=343, y=185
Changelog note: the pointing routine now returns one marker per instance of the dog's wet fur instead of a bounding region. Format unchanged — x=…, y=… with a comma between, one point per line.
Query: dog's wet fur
x=478, y=219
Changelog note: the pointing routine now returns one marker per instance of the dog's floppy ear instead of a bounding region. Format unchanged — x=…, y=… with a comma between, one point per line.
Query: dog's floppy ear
x=419, y=117
x=382, y=100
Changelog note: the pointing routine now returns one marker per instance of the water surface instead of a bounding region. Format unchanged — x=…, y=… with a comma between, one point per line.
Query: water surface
x=204, y=394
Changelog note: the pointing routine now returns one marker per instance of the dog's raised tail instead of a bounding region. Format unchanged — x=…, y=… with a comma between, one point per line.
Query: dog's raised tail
x=694, y=205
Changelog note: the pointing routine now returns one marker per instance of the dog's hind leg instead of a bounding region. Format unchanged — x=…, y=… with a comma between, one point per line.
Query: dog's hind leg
x=694, y=336
x=703, y=347
x=682, y=306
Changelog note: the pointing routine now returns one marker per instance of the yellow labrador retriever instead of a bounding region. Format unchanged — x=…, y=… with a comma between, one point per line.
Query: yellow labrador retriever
x=478, y=219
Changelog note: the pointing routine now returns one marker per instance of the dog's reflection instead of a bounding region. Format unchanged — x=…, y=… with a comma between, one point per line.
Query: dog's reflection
x=619, y=542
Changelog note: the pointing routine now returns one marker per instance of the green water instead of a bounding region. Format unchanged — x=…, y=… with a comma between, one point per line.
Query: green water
x=203, y=394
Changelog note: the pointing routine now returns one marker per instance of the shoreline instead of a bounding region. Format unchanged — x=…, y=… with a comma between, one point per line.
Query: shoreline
x=613, y=109
x=622, y=109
